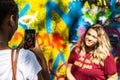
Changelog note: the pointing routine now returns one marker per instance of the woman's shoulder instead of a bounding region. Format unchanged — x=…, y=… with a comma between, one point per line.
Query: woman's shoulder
x=26, y=53
x=110, y=57
x=76, y=49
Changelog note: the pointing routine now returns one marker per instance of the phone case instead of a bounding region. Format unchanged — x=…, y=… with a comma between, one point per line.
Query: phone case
x=29, y=38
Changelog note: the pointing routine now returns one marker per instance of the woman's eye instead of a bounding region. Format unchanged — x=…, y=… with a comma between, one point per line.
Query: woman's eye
x=88, y=33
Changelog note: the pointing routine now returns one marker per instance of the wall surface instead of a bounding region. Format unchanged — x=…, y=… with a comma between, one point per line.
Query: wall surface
x=61, y=23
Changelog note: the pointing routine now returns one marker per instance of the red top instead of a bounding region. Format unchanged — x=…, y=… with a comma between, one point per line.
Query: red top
x=84, y=69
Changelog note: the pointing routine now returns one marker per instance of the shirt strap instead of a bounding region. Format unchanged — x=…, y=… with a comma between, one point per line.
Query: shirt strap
x=14, y=58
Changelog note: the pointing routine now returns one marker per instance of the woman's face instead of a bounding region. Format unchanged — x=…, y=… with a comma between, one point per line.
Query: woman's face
x=91, y=38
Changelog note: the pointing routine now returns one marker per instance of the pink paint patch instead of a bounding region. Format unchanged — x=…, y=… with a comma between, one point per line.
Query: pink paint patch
x=81, y=31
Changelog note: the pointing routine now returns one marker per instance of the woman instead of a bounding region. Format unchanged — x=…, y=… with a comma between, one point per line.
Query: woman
x=92, y=60
x=20, y=66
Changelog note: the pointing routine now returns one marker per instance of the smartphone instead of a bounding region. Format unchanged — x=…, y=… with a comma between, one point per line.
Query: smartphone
x=29, y=39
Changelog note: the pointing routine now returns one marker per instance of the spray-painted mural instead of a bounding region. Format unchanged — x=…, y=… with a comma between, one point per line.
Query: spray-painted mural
x=61, y=23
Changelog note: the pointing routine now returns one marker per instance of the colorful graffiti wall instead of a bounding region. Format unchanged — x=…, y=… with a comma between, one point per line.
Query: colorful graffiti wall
x=60, y=24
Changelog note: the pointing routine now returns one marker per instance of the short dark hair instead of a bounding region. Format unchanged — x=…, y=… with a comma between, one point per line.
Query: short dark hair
x=7, y=7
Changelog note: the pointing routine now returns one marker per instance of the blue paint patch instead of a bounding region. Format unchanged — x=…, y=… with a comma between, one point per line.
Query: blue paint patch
x=24, y=10
x=75, y=11
x=15, y=46
x=23, y=26
x=118, y=77
x=59, y=57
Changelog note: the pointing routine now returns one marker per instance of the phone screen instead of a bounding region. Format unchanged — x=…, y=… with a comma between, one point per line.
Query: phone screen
x=29, y=38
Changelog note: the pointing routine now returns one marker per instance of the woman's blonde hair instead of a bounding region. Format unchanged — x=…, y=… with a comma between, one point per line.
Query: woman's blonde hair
x=102, y=48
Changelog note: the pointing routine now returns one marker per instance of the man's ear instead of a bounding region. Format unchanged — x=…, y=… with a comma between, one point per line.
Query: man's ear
x=11, y=21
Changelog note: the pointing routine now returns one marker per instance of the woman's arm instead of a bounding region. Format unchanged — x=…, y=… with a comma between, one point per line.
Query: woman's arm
x=40, y=77
x=43, y=74
x=113, y=76
x=69, y=74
